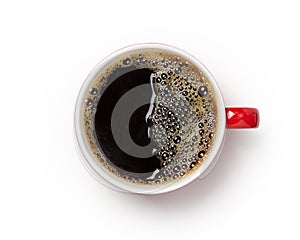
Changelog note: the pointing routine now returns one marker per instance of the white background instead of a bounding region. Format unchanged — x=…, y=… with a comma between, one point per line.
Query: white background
x=46, y=52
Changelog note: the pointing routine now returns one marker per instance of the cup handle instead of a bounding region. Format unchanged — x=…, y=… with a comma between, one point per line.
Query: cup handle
x=242, y=117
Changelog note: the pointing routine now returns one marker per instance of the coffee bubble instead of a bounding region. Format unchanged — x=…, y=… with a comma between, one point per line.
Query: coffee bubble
x=126, y=61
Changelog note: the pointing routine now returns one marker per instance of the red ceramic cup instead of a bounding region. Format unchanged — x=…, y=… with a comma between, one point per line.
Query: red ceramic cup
x=228, y=117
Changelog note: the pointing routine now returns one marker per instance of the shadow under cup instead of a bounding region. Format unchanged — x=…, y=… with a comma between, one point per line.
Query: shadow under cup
x=140, y=90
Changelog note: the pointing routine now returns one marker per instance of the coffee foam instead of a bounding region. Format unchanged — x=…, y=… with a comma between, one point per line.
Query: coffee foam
x=183, y=117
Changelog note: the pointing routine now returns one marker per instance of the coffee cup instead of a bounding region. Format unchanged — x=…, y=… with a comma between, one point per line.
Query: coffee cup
x=150, y=118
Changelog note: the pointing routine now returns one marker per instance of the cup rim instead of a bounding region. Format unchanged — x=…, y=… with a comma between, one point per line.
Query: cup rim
x=101, y=174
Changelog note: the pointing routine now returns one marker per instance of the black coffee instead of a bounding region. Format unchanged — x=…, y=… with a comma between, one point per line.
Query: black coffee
x=138, y=123
x=150, y=117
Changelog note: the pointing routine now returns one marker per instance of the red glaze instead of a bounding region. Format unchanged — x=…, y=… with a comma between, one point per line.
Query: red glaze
x=242, y=118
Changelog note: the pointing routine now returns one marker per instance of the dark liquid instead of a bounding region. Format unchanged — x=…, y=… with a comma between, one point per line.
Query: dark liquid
x=153, y=116
x=119, y=84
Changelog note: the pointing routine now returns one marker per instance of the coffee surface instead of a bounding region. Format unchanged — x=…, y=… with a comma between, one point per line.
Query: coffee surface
x=150, y=117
